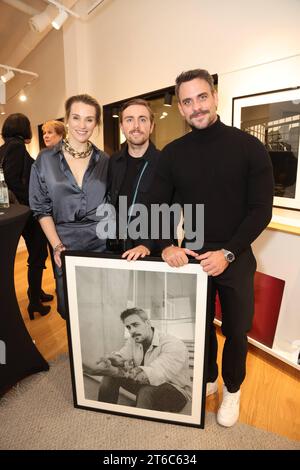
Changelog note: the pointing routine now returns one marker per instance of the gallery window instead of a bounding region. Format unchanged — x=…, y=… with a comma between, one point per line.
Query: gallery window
x=169, y=124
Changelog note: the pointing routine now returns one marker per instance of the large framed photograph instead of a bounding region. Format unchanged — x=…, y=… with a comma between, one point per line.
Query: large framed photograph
x=136, y=334
x=274, y=118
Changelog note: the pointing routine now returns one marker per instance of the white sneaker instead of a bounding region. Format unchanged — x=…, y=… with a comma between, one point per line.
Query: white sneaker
x=211, y=388
x=229, y=410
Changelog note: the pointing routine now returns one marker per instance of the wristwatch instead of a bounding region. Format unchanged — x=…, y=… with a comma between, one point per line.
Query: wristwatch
x=229, y=256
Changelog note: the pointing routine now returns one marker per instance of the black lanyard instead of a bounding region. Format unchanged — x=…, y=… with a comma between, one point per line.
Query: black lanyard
x=135, y=192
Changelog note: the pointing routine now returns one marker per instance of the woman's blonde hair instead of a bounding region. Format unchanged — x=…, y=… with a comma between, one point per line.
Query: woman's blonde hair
x=58, y=126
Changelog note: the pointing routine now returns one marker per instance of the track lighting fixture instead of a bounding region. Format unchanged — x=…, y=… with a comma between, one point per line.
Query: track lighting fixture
x=10, y=70
x=2, y=92
x=55, y=14
x=168, y=99
x=7, y=76
x=38, y=23
x=10, y=73
x=60, y=19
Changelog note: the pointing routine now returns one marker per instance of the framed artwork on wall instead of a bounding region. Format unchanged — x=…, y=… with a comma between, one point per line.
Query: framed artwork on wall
x=274, y=118
x=136, y=333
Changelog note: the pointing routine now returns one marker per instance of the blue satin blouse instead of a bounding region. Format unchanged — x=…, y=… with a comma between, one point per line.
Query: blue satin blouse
x=53, y=191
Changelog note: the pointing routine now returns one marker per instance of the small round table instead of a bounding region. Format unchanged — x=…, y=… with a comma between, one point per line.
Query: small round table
x=19, y=357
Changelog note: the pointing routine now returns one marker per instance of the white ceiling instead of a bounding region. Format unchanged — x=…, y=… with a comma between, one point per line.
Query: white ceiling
x=14, y=27
x=16, y=38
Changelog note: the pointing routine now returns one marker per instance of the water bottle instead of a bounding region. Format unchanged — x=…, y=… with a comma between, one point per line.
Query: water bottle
x=4, y=199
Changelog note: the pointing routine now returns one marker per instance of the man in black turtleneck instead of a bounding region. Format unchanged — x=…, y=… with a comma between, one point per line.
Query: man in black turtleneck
x=230, y=172
x=131, y=171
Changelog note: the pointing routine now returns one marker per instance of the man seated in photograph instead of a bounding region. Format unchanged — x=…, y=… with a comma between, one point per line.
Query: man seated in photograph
x=152, y=365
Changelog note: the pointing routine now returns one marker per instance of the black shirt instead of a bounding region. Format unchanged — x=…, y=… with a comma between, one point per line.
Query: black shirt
x=123, y=175
x=227, y=170
x=16, y=163
x=134, y=167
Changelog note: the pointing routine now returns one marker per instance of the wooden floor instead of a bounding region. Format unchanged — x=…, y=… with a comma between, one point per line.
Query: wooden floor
x=270, y=394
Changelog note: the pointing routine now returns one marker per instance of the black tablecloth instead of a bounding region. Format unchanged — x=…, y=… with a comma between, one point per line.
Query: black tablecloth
x=18, y=355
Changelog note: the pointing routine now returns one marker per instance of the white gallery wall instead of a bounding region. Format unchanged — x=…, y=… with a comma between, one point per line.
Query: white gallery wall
x=135, y=46
x=128, y=47
x=46, y=95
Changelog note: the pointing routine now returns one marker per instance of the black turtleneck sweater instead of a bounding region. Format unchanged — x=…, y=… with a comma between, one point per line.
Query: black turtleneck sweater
x=227, y=170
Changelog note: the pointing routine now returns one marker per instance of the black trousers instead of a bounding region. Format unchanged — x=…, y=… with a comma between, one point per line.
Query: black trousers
x=235, y=287
x=163, y=397
x=36, y=244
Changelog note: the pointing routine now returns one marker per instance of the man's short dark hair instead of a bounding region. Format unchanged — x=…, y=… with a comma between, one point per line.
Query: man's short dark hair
x=134, y=311
x=136, y=101
x=191, y=75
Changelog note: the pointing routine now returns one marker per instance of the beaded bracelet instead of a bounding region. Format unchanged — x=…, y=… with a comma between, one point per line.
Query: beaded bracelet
x=59, y=248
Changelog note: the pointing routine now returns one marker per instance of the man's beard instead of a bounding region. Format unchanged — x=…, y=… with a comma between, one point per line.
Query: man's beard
x=142, y=136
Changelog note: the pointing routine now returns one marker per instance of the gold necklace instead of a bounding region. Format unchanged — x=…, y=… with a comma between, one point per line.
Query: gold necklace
x=75, y=154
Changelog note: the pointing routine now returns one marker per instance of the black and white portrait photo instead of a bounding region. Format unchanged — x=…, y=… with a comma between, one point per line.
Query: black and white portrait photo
x=136, y=333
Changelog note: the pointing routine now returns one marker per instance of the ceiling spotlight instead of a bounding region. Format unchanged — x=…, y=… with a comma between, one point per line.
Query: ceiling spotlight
x=115, y=113
x=60, y=19
x=7, y=76
x=38, y=23
x=22, y=96
x=2, y=110
x=168, y=99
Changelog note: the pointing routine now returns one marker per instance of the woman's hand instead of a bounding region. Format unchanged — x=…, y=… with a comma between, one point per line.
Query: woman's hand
x=57, y=250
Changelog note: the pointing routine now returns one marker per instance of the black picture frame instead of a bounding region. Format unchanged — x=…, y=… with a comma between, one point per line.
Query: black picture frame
x=274, y=118
x=98, y=288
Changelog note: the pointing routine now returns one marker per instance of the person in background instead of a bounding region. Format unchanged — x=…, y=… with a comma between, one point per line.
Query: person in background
x=68, y=183
x=131, y=171
x=230, y=172
x=17, y=163
x=53, y=132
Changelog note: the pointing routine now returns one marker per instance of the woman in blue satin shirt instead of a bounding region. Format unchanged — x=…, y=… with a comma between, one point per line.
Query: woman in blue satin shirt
x=68, y=183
